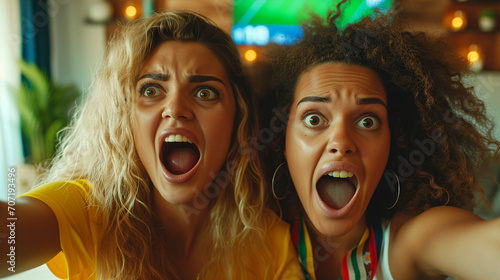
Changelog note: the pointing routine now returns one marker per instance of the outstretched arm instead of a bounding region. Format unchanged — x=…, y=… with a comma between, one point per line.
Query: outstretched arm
x=453, y=242
x=29, y=240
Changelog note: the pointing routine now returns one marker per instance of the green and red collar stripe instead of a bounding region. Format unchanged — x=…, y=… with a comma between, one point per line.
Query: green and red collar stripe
x=359, y=263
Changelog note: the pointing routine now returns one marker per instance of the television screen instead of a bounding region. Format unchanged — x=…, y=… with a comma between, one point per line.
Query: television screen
x=260, y=22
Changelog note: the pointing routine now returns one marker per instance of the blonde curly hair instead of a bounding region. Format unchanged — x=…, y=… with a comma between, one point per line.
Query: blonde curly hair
x=99, y=146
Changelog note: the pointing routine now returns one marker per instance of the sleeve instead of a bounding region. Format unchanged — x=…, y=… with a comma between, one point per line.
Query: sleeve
x=68, y=202
x=286, y=263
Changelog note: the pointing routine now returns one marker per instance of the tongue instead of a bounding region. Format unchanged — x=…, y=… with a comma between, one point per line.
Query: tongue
x=181, y=160
x=336, y=193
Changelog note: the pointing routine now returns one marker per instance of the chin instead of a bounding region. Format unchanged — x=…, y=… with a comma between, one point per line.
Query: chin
x=335, y=228
x=329, y=226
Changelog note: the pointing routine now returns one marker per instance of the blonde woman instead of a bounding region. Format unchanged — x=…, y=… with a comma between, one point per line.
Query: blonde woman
x=154, y=179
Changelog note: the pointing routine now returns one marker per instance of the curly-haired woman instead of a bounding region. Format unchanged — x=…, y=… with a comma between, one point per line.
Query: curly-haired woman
x=151, y=180
x=384, y=146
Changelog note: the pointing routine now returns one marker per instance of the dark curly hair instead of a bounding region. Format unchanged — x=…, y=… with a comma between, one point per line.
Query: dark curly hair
x=441, y=137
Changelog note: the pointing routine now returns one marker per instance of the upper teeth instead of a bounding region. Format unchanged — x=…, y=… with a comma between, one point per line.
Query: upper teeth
x=340, y=174
x=178, y=138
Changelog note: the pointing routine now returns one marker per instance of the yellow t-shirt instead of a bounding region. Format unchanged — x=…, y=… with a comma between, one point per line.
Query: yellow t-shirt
x=79, y=229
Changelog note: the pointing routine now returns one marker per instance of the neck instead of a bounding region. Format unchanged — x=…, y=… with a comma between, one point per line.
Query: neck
x=329, y=251
x=183, y=225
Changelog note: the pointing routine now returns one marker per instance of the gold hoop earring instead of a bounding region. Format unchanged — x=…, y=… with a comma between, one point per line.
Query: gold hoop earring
x=399, y=191
x=272, y=182
x=448, y=201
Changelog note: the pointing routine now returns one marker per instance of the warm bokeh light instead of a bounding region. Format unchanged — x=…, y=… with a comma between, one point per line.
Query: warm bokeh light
x=250, y=55
x=473, y=56
x=457, y=23
x=130, y=11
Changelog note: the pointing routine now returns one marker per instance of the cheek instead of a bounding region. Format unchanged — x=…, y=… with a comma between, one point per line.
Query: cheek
x=146, y=121
x=218, y=130
x=379, y=154
x=144, y=134
x=297, y=146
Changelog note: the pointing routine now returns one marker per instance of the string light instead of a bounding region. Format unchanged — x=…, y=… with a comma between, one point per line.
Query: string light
x=459, y=21
x=475, y=58
x=130, y=11
x=250, y=55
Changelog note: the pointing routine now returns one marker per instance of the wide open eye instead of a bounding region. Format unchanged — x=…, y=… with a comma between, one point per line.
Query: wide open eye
x=369, y=122
x=207, y=94
x=150, y=90
x=313, y=120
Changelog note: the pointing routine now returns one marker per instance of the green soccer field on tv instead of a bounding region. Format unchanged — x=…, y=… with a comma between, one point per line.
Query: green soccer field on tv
x=259, y=22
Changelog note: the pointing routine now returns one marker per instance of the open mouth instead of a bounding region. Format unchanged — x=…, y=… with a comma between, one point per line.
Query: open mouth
x=178, y=154
x=336, y=189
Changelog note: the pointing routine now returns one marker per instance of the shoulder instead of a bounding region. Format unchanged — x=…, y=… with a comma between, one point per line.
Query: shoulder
x=284, y=257
x=60, y=189
x=277, y=235
x=416, y=239
x=274, y=226
x=65, y=198
x=414, y=228
x=432, y=219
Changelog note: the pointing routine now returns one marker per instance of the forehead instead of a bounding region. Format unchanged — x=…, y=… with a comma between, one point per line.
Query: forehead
x=183, y=57
x=327, y=79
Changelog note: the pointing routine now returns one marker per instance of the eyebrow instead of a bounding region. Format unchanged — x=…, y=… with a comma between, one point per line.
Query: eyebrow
x=314, y=99
x=156, y=76
x=202, y=78
x=367, y=101
x=359, y=101
x=192, y=79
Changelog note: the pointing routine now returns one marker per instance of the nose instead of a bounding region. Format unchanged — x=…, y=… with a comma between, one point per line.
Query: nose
x=176, y=107
x=341, y=140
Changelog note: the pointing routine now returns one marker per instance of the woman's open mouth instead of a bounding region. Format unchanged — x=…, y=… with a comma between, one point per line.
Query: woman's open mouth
x=337, y=188
x=178, y=154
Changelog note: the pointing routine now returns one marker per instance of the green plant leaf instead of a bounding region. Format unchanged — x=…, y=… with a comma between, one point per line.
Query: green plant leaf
x=44, y=109
x=39, y=83
x=51, y=138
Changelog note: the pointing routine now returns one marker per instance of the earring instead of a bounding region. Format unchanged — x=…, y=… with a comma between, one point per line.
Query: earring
x=399, y=191
x=272, y=182
x=448, y=201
